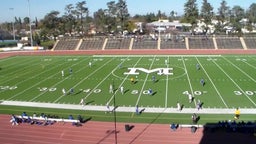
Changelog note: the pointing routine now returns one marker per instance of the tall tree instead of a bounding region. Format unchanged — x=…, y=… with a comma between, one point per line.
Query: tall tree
x=100, y=19
x=252, y=13
x=206, y=13
x=191, y=12
x=81, y=11
x=51, y=24
x=223, y=12
x=122, y=14
x=69, y=18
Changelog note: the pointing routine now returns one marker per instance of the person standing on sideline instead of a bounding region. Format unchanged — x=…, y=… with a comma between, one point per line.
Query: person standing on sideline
x=122, y=90
x=237, y=114
x=82, y=102
x=62, y=73
x=137, y=110
x=178, y=106
x=108, y=108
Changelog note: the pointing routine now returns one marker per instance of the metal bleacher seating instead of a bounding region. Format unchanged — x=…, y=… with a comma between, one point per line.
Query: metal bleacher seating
x=175, y=42
x=224, y=42
x=144, y=43
x=67, y=44
x=200, y=42
x=118, y=43
x=250, y=42
x=92, y=43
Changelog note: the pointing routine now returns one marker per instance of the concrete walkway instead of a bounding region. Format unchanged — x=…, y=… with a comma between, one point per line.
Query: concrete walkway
x=128, y=109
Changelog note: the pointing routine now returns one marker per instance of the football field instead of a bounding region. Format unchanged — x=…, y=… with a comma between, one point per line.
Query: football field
x=229, y=80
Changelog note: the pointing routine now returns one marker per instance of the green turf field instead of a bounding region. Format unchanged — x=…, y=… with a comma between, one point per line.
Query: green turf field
x=230, y=80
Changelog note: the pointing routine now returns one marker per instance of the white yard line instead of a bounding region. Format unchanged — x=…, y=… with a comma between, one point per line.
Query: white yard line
x=57, y=82
x=212, y=83
x=35, y=84
x=141, y=91
x=189, y=82
x=87, y=78
x=122, y=82
x=240, y=69
x=166, y=85
x=235, y=84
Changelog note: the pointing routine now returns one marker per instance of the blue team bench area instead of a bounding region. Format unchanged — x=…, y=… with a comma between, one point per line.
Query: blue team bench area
x=45, y=120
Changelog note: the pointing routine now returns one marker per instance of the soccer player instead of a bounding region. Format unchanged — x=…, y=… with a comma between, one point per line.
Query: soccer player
x=62, y=73
x=122, y=90
x=150, y=91
x=111, y=90
x=154, y=78
x=90, y=64
x=72, y=91
x=70, y=71
x=190, y=97
x=197, y=66
x=82, y=102
x=64, y=91
x=166, y=62
x=202, y=82
x=199, y=105
x=132, y=80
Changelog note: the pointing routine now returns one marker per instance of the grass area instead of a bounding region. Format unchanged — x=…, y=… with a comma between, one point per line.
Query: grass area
x=229, y=83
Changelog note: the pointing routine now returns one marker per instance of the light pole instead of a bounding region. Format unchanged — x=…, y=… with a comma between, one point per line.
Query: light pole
x=31, y=38
x=13, y=29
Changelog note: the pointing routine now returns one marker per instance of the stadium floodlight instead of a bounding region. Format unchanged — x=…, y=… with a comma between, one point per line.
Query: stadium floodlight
x=31, y=38
x=13, y=29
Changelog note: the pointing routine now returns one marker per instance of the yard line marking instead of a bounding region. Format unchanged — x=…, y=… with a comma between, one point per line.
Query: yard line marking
x=123, y=81
x=212, y=83
x=240, y=69
x=189, y=82
x=9, y=78
x=36, y=83
x=234, y=83
x=57, y=82
x=166, y=85
x=144, y=84
x=88, y=77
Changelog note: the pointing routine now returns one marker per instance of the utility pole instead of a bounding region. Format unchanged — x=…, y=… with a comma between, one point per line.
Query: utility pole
x=31, y=38
x=13, y=29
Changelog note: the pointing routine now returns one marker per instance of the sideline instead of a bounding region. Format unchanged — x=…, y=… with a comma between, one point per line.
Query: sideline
x=129, y=109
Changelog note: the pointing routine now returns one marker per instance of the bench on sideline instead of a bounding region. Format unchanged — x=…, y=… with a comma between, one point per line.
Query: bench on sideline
x=50, y=119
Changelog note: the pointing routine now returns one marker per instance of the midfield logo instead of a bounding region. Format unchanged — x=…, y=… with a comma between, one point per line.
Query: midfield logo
x=160, y=71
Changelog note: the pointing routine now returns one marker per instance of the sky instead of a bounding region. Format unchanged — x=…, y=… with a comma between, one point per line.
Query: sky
x=39, y=8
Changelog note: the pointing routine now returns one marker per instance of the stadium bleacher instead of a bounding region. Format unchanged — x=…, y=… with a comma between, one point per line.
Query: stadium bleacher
x=250, y=42
x=188, y=42
x=92, y=43
x=228, y=42
x=67, y=44
x=201, y=42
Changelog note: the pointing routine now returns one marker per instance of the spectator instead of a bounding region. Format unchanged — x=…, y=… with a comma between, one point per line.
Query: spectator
x=194, y=118
x=14, y=120
x=237, y=114
x=173, y=127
